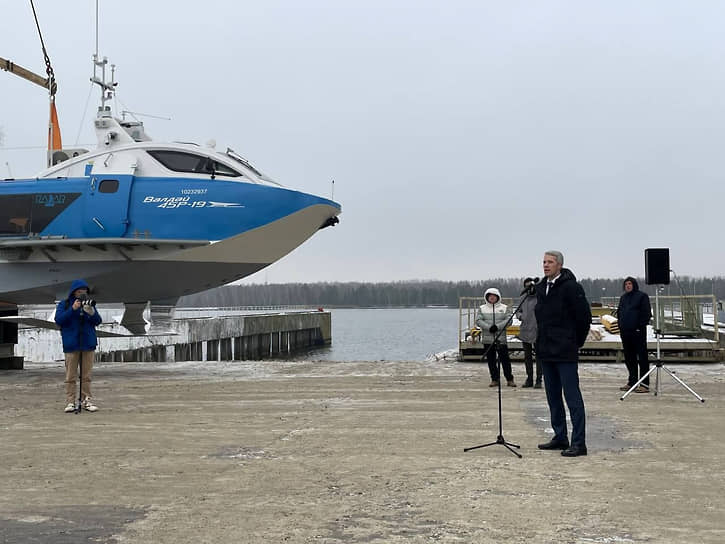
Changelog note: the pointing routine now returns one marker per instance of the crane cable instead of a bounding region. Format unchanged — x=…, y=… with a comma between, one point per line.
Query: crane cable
x=52, y=85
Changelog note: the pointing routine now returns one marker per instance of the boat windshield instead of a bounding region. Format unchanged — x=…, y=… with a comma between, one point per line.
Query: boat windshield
x=237, y=157
x=180, y=161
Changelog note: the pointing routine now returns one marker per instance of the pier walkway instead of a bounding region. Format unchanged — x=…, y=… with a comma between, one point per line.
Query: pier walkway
x=325, y=452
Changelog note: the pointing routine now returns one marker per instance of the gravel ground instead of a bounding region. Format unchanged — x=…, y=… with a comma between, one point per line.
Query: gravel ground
x=323, y=452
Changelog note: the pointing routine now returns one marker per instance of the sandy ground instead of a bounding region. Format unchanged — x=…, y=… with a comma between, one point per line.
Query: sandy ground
x=324, y=452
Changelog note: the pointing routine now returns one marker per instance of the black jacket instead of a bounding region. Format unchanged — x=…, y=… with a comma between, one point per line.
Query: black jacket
x=634, y=311
x=563, y=318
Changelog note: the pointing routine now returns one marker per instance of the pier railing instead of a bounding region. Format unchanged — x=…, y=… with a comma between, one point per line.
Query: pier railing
x=467, y=310
x=689, y=323
x=684, y=315
x=189, y=313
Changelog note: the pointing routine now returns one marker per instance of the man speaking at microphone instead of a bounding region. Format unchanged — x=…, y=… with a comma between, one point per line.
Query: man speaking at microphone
x=563, y=318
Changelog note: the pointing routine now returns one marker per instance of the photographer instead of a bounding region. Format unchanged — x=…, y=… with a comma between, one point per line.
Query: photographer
x=527, y=332
x=78, y=318
x=491, y=318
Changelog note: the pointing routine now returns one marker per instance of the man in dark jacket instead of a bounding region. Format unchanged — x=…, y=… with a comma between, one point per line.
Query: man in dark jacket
x=633, y=315
x=78, y=319
x=563, y=318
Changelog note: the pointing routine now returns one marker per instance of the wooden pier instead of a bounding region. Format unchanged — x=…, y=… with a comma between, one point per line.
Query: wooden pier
x=688, y=337
x=672, y=350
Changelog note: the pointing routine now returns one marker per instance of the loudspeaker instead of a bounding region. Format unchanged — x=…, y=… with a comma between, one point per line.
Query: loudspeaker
x=657, y=266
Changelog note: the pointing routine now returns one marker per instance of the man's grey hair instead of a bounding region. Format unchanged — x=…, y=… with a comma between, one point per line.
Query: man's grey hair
x=558, y=255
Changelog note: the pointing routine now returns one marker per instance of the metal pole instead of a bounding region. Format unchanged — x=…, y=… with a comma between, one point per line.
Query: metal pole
x=96, y=28
x=657, y=339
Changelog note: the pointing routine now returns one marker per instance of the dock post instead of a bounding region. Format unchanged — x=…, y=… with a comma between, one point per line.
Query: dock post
x=8, y=340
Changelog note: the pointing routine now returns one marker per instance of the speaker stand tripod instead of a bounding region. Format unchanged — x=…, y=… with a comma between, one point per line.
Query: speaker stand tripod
x=658, y=363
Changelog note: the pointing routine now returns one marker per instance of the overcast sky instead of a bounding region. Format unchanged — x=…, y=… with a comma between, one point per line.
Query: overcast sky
x=464, y=137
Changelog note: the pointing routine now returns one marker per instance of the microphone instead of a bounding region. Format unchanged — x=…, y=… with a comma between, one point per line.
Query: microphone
x=530, y=289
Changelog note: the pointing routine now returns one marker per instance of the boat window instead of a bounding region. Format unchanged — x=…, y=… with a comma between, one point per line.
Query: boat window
x=108, y=186
x=22, y=214
x=223, y=170
x=15, y=214
x=179, y=161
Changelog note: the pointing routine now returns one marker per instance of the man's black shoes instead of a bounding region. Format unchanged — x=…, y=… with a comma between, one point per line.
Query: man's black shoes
x=574, y=451
x=566, y=450
x=554, y=445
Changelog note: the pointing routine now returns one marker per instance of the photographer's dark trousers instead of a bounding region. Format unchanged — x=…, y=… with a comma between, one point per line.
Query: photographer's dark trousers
x=558, y=378
x=529, y=362
x=71, y=374
x=634, y=345
x=503, y=356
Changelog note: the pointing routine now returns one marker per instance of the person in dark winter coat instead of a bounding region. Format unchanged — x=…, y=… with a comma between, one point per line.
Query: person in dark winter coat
x=77, y=320
x=633, y=315
x=563, y=318
x=527, y=334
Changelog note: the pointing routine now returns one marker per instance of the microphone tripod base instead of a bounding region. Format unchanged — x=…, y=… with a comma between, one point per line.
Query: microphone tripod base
x=499, y=440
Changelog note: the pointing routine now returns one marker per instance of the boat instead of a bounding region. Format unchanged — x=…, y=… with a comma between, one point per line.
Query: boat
x=143, y=221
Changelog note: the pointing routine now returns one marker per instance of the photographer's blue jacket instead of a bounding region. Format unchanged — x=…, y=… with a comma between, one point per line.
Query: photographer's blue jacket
x=77, y=328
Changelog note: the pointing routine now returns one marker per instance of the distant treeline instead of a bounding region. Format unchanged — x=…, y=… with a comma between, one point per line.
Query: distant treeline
x=414, y=293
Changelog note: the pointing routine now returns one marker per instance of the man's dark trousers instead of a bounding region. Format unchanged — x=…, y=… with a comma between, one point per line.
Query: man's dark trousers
x=564, y=377
x=634, y=345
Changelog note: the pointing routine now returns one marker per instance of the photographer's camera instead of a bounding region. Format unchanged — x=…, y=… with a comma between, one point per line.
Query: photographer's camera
x=85, y=300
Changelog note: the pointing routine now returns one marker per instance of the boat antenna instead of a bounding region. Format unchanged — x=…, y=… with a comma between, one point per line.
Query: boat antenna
x=96, y=28
x=106, y=87
x=332, y=191
x=134, y=114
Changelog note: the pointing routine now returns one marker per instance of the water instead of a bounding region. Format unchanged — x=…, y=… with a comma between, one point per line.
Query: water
x=410, y=334
x=357, y=335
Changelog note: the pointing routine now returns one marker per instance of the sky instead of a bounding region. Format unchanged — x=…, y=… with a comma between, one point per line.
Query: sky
x=464, y=138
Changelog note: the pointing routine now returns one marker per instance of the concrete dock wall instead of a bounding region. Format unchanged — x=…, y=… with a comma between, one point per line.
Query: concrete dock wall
x=223, y=338
x=234, y=338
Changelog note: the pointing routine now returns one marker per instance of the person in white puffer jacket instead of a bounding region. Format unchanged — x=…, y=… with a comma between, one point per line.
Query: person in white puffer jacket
x=492, y=316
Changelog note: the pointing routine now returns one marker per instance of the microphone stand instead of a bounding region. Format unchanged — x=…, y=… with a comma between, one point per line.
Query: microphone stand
x=79, y=406
x=500, y=439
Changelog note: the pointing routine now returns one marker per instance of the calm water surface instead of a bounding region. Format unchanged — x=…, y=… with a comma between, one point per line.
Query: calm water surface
x=410, y=334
